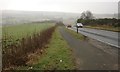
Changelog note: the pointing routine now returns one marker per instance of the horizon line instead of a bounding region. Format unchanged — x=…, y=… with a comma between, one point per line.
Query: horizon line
x=53, y=11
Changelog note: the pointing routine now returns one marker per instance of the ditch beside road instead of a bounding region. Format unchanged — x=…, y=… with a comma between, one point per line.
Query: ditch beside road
x=88, y=56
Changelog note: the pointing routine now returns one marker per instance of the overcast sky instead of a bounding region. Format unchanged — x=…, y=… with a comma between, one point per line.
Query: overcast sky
x=73, y=6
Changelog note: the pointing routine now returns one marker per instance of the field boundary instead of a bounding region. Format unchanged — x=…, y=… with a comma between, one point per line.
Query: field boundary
x=17, y=54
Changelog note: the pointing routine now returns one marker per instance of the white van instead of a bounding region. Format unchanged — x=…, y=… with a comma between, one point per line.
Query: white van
x=79, y=25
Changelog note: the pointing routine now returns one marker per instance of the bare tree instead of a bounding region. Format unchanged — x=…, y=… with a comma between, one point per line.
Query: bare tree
x=87, y=15
x=83, y=15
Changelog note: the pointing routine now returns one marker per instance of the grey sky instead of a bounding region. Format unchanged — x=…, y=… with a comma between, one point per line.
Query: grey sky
x=74, y=6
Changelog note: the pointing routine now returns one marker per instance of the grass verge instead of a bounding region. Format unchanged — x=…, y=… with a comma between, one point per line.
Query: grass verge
x=109, y=28
x=57, y=56
x=75, y=34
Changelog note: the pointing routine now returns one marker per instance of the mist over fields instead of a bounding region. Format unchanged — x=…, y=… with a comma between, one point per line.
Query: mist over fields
x=18, y=17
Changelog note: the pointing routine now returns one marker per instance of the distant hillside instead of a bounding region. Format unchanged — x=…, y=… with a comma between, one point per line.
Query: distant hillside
x=13, y=17
x=18, y=17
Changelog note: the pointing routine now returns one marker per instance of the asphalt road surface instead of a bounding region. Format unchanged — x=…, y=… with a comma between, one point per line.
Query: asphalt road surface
x=108, y=37
x=87, y=56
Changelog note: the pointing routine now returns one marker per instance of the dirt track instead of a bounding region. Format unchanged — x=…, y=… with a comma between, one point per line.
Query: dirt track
x=88, y=56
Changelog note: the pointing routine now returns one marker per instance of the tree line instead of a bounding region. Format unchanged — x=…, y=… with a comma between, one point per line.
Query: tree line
x=87, y=18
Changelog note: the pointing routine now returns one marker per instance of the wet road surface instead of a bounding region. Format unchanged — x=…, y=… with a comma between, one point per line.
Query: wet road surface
x=108, y=37
x=88, y=57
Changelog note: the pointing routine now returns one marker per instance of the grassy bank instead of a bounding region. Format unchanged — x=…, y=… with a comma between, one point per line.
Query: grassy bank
x=109, y=28
x=75, y=34
x=57, y=55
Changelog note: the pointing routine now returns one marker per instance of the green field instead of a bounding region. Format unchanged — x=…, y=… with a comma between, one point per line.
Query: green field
x=23, y=30
x=18, y=41
x=0, y=32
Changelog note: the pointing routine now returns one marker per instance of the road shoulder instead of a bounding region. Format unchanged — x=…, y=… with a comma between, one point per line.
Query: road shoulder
x=89, y=57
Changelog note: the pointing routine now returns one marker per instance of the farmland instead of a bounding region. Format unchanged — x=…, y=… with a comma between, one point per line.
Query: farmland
x=23, y=30
x=0, y=32
x=17, y=32
x=23, y=44
x=19, y=41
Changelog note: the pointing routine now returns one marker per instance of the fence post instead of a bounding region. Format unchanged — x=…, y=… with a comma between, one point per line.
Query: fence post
x=77, y=29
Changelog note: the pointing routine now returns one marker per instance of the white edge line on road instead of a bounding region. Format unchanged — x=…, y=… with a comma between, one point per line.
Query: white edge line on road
x=100, y=40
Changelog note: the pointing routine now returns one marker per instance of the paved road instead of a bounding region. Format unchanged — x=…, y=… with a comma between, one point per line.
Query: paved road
x=108, y=37
x=88, y=57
